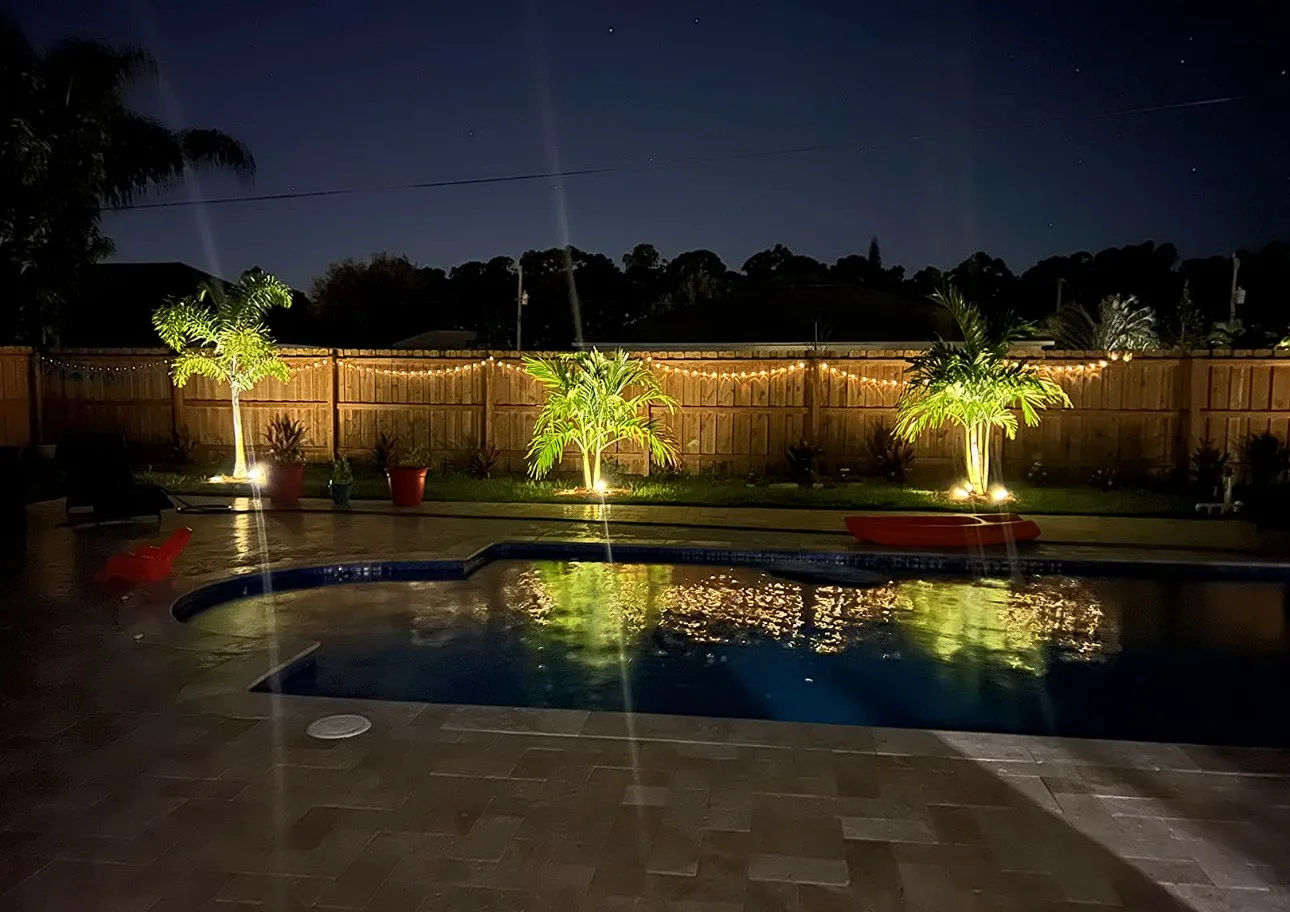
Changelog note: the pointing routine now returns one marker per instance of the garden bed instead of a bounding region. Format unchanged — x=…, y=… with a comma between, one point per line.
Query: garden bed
x=370, y=484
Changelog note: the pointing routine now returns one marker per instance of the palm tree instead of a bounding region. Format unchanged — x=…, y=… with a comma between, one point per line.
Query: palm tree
x=70, y=145
x=973, y=384
x=1121, y=325
x=227, y=342
x=588, y=407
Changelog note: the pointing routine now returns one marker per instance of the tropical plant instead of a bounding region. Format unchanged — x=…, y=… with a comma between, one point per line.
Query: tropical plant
x=594, y=401
x=1208, y=466
x=341, y=472
x=975, y=385
x=386, y=449
x=1224, y=334
x=801, y=458
x=220, y=334
x=892, y=456
x=285, y=441
x=70, y=145
x=1266, y=459
x=1120, y=325
x=412, y=457
x=484, y=460
x=183, y=446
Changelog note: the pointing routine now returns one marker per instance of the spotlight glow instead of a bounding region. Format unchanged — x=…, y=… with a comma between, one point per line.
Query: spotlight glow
x=999, y=494
x=961, y=492
x=601, y=486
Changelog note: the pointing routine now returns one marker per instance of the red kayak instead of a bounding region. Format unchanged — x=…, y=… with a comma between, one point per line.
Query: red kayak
x=967, y=530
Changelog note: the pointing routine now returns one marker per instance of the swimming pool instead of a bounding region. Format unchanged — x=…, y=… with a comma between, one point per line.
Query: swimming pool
x=1138, y=658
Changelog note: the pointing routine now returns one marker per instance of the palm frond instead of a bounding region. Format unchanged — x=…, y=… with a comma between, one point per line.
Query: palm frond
x=594, y=401
x=972, y=383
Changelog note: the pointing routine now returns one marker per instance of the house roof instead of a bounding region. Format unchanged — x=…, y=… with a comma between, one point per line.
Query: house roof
x=114, y=306
x=792, y=313
x=440, y=339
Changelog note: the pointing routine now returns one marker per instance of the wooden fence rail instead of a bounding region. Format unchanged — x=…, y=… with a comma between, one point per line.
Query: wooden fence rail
x=739, y=411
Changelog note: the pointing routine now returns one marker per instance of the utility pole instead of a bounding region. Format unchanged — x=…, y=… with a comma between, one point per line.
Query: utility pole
x=1060, y=283
x=519, y=305
x=1236, y=292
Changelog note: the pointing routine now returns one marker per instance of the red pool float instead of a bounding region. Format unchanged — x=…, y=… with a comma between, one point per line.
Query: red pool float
x=959, y=530
x=149, y=563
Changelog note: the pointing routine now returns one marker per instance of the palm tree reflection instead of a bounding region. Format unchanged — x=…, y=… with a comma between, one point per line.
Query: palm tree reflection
x=596, y=608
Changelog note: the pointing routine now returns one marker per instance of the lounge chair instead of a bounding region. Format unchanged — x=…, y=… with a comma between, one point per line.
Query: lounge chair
x=149, y=563
x=97, y=471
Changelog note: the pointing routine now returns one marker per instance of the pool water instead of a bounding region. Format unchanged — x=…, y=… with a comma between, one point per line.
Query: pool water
x=1147, y=660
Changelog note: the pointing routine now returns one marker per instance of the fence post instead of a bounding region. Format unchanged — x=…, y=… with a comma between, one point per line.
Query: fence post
x=486, y=412
x=811, y=393
x=176, y=408
x=36, y=390
x=333, y=406
x=1197, y=402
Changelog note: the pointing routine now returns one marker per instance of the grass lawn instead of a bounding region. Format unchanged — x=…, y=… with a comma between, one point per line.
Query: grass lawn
x=370, y=483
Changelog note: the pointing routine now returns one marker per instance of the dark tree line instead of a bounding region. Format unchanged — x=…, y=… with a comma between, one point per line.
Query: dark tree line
x=383, y=299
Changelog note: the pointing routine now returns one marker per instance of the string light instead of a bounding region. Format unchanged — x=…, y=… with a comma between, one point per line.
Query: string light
x=1090, y=367
x=726, y=375
x=77, y=367
x=426, y=372
x=860, y=378
x=320, y=362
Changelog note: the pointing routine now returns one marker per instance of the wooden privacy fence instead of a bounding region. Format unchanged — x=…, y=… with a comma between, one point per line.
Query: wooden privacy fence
x=738, y=412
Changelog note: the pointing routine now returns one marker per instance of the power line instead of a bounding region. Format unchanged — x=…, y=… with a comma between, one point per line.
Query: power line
x=648, y=166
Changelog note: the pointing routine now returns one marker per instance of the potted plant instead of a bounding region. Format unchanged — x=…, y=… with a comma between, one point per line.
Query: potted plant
x=286, y=477
x=341, y=482
x=408, y=476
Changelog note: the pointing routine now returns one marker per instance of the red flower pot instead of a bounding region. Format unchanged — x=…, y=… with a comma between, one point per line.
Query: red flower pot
x=407, y=486
x=285, y=484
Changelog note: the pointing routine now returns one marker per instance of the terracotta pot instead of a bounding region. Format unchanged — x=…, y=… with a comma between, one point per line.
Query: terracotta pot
x=407, y=486
x=285, y=484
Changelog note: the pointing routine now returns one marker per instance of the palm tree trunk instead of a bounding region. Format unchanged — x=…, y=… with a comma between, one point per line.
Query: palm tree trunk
x=984, y=443
x=239, y=442
x=586, y=471
x=974, y=454
x=595, y=471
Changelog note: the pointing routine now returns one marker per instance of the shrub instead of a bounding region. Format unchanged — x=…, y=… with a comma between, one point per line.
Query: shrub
x=341, y=473
x=1208, y=466
x=1266, y=459
x=892, y=456
x=484, y=460
x=183, y=446
x=801, y=458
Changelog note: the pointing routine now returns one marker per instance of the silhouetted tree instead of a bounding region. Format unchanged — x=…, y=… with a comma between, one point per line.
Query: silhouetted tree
x=377, y=302
x=69, y=145
x=696, y=277
x=646, y=275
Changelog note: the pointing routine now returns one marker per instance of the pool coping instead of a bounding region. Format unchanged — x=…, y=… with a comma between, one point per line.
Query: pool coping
x=1000, y=562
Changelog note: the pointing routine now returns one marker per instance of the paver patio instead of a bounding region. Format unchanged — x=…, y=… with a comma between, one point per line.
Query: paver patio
x=137, y=773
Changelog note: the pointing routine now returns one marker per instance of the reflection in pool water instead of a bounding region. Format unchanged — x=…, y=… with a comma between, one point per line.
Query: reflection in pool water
x=1012, y=623
x=1134, y=659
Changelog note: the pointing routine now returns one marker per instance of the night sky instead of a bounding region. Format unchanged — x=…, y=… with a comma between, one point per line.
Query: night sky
x=942, y=128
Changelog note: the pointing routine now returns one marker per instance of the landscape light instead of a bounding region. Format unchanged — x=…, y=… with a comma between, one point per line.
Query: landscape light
x=999, y=494
x=256, y=475
x=961, y=492
x=601, y=486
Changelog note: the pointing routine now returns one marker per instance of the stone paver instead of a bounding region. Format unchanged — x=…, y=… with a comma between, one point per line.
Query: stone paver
x=136, y=773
